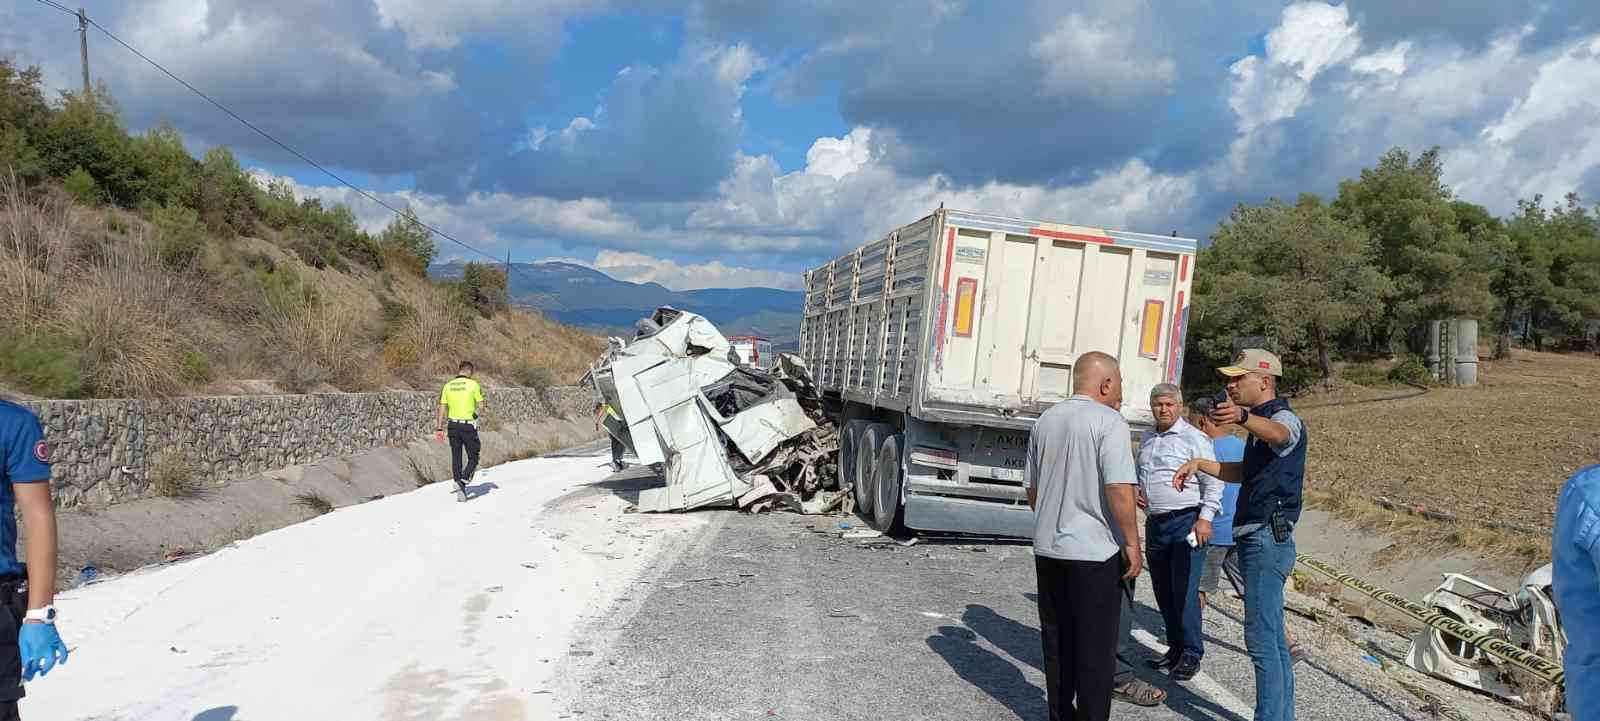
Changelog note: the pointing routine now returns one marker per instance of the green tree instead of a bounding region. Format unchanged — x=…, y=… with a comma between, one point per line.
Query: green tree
x=80, y=185
x=173, y=175
x=1551, y=283
x=406, y=236
x=23, y=113
x=87, y=134
x=227, y=194
x=1299, y=274
x=483, y=288
x=180, y=237
x=1419, y=242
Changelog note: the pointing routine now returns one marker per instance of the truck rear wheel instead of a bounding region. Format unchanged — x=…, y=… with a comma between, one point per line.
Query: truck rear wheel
x=849, y=438
x=886, y=510
x=867, y=445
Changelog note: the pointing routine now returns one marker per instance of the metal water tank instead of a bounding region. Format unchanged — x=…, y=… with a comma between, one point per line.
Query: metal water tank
x=1435, y=369
x=1465, y=331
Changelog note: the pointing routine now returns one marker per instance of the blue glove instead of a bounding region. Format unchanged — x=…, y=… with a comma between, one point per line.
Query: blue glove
x=41, y=649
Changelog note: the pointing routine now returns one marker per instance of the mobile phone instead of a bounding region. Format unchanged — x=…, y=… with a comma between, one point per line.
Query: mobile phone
x=1221, y=397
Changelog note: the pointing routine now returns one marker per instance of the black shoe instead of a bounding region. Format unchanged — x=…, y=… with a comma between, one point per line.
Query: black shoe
x=1187, y=667
x=1161, y=664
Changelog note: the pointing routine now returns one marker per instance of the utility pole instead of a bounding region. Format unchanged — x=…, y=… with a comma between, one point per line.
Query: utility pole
x=83, y=52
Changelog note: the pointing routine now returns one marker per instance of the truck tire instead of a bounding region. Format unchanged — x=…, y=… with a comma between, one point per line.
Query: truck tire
x=887, y=479
x=849, y=437
x=867, y=445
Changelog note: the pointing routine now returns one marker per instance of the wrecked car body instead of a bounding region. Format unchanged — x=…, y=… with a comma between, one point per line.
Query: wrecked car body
x=1526, y=619
x=723, y=433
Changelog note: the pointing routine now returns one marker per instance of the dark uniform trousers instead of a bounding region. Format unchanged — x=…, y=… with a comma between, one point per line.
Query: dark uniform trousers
x=463, y=436
x=14, y=599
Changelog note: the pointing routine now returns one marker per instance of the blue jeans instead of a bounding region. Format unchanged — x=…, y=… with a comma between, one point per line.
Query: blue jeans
x=1175, y=570
x=1266, y=565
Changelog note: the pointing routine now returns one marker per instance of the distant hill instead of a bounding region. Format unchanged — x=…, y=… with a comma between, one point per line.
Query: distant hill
x=587, y=298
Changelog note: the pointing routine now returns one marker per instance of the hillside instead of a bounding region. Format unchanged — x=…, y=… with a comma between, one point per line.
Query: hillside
x=130, y=269
x=590, y=299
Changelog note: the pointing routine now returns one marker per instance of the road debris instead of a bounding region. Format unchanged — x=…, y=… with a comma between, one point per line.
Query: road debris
x=724, y=434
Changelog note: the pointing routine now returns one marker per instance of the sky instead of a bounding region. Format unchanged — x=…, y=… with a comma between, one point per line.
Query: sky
x=730, y=143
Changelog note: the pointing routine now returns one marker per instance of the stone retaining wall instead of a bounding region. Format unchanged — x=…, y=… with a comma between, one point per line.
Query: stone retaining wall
x=102, y=449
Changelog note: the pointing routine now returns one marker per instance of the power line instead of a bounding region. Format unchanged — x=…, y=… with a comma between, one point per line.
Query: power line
x=60, y=7
x=286, y=147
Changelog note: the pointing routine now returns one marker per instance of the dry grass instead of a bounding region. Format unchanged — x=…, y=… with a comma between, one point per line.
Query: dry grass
x=1498, y=452
x=320, y=341
x=1416, y=536
x=171, y=476
x=123, y=315
x=314, y=502
x=35, y=241
x=535, y=449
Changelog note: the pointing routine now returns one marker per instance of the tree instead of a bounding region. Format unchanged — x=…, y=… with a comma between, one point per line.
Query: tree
x=406, y=236
x=1418, y=242
x=80, y=185
x=483, y=287
x=1550, y=284
x=22, y=113
x=173, y=175
x=1297, y=273
x=88, y=134
x=227, y=194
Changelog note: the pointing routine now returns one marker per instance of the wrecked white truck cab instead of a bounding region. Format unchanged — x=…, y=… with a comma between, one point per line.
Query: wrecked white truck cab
x=724, y=433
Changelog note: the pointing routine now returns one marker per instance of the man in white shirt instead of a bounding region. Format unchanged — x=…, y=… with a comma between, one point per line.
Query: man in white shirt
x=1177, y=527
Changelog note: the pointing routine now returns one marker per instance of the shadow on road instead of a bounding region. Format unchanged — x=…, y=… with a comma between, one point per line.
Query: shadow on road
x=630, y=483
x=482, y=489
x=959, y=648
x=994, y=675
x=220, y=713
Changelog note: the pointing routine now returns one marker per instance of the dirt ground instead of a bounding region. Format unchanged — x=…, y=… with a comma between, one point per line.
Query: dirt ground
x=1499, y=451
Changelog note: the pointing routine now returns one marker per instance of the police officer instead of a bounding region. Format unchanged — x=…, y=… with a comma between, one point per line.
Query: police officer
x=26, y=591
x=604, y=412
x=460, y=402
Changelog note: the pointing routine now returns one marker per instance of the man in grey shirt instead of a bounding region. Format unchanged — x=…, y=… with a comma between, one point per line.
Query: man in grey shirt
x=1081, y=483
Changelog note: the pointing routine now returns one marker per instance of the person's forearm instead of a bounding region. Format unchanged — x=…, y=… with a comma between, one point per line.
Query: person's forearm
x=39, y=525
x=1123, y=499
x=1033, y=498
x=1271, y=431
x=438, y=420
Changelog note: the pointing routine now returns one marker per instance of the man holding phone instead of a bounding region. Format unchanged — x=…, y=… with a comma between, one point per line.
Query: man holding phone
x=1271, y=478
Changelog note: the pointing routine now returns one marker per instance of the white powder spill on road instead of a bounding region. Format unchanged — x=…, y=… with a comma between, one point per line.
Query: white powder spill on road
x=409, y=607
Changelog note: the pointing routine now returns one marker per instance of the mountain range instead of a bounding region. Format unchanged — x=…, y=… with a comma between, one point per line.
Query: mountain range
x=587, y=298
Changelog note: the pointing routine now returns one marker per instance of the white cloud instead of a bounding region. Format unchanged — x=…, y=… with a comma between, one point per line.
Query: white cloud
x=641, y=268
x=838, y=157
x=1311, y=38
x=1391, y=60
x=1099, y=57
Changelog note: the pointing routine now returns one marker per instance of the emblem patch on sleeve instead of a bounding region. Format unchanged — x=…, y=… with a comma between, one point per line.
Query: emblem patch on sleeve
x=41, y=452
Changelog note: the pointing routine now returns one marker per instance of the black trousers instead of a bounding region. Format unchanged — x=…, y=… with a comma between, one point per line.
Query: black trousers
x=463, y=436
x=1080, y=607
x=13, y=607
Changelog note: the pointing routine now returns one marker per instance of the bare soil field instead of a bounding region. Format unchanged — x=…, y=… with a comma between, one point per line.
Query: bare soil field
x=1497, y=452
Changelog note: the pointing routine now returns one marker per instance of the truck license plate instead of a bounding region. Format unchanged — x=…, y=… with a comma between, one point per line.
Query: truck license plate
x=1007, y=474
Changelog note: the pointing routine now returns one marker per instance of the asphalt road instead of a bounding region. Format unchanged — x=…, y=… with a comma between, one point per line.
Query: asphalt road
x=775, y=616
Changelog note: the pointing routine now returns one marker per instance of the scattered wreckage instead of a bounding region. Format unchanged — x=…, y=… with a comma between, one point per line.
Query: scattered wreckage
x=723, y=433
x=1526, y=620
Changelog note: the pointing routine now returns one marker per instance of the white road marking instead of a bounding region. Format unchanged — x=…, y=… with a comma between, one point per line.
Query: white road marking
x=1207, y=686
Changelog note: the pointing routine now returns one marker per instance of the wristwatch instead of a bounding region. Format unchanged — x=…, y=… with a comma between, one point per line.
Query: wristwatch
x=41, y=615
x=1244, y=415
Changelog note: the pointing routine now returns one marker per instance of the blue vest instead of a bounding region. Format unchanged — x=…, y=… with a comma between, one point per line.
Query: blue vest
x=1270, y=480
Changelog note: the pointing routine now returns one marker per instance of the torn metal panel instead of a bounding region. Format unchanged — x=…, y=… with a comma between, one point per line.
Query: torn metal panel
x=759, y=430
x=1527, y=620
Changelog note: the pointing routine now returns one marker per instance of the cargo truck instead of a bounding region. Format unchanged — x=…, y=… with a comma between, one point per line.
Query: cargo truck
x=937, y=346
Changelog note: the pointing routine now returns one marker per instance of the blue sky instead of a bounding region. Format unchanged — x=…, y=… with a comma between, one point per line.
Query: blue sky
x=709, y=143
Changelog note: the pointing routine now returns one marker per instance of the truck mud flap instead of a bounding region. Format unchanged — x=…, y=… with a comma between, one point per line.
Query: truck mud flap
x=960, y=515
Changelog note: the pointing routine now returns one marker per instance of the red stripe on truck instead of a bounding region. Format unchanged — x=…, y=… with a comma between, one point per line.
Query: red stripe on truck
x=1183, y=270
x=1070, y=236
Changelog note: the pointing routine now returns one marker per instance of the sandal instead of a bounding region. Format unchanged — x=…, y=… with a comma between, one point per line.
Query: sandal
x=1139, y=693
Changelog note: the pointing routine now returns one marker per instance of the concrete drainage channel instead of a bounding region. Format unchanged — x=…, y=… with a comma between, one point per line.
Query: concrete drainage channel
x=99, y=542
